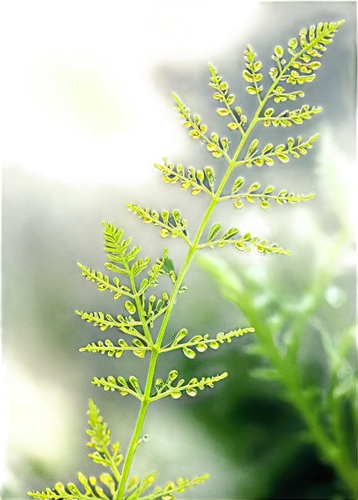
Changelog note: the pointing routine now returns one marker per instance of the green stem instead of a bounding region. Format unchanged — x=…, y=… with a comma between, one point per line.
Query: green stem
x=193, y=247
x=155, y=349
x=140, y=310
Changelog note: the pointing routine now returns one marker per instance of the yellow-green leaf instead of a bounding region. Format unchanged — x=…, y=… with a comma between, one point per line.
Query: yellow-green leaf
x=237, y=185
x=248, y=76
x=214, y=231
x=251, y=90
x=254, y=187
x=278, y=51
x=264, y=204
x=257, y=66
x=195, y=134
x=293, y=43
x=252, y=147
x=240, y=246
x=222, y=111
x=283, y=157
x=230, y=99
x=238, y=204
x=189, y=353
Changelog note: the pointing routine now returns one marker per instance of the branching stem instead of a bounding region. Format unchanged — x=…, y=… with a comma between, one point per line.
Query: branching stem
x=194, y=246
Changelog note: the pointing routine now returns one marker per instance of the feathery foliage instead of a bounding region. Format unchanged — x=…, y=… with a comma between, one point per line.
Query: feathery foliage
x=144, y=309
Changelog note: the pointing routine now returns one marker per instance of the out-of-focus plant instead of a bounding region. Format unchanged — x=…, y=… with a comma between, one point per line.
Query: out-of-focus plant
x=323, y=395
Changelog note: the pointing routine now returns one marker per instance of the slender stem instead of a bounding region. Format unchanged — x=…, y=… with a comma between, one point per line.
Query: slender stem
x=131, y=450
x=113, y=466
x=193, y=247
x=155, y=349
x=140, y=310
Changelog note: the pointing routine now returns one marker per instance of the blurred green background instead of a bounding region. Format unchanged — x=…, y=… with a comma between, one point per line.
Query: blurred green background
x=88, y=110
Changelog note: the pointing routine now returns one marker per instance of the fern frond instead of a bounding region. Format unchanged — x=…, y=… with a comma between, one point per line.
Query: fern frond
x=303, y=62
x=72, y=492
x=155, y=308
x=100, y=439
x=125, y=323
x=119, y=384
x=138, y=348
x=132, y=483
x=222, y=94
x=164, y=389
x=264, y=197
x=103, y=282
x=202, y=342
x=145, y=484
x=280, y=95
x=295, y=148
x=252, y=73
x=218, y=147
x=200, y=180
x=243, y=244
x=180, y=486
x=289, y=117
x=171, y=223
x=144, y=309
x=158, y=269
x=113, y=238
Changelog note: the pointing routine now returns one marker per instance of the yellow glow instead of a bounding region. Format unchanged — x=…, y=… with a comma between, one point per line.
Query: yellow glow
x=82, y=90
x=37, y=417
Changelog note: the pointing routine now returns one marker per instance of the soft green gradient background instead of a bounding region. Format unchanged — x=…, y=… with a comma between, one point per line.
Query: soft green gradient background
x=88, y=110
